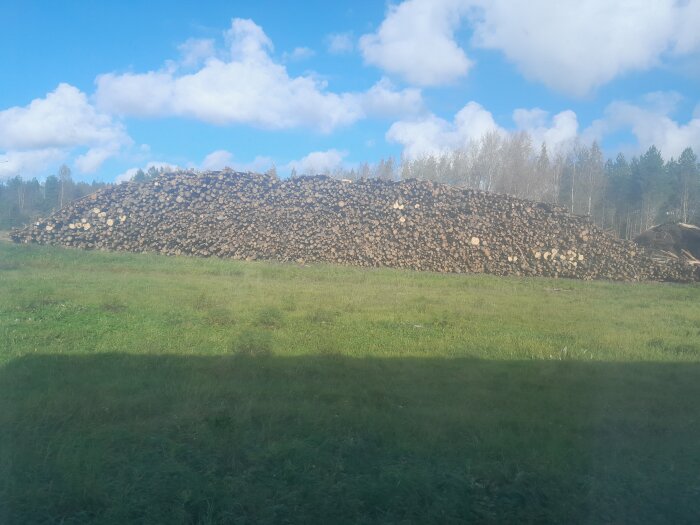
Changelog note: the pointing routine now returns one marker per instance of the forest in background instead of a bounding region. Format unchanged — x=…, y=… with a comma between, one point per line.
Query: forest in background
x=22, y=201
x=623, y=196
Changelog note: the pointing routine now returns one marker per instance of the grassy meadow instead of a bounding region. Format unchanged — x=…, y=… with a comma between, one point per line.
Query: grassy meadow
x=148, y=389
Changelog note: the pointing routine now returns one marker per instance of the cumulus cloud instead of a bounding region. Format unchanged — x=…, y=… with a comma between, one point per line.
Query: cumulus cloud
x=432, y=135
x=299, y=53
x=416, y=42
x=259, y=164
x=217, y=160
x=90, y=161
x=572, y=46
x=687, y=35
x=194, y=51
x=557, y=132
x=244, y=87
x=651, y=125
x=29, y=163
x=64, y=121
x=575, y=46
x=339, y=43
x=318, y=162
x=382, y=99
x=64, y=118
x=650, y=121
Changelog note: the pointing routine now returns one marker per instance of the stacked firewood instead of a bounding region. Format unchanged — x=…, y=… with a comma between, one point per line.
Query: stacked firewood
x=418, y=225
x=673, y=240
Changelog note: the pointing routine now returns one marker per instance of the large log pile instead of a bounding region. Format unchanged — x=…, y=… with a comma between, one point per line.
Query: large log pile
x=413, y=224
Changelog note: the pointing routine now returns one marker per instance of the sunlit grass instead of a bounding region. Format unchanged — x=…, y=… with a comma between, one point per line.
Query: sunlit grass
x=181, y=390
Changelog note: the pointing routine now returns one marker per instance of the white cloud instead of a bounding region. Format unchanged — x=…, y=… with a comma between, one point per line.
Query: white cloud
x=217, y=160
x=146, y=94
x=90, y=161
x=318, y=162
x=248, y=41
x=651, y=125
x=339, y=43
x=194, y=51
x=246, y=87
x=299, y=53
x=687, y=35
x=557, y=132
x=573, y=46
x=260, y=164
x=30, y=163
x=650, y=122
x=62, y=121
x=64, y=118
x=432, y=135
x=416, y=42
x=383, y=99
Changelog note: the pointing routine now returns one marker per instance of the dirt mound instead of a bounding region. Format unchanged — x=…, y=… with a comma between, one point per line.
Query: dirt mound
x=412, y=224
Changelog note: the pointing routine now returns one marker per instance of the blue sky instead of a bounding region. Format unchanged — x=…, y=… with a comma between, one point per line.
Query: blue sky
x=110, y=87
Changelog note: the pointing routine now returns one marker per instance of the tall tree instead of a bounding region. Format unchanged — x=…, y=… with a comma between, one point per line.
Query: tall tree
x=52, y=192
x=594, y=175
x=543, y=173
x=689, y=184
x=139, y=176
x=272, y=172
x=153, y=172
x=64, y=176
x=655, y=186
x=558, y=168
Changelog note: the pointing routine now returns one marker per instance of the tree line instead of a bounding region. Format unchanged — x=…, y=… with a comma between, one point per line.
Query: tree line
x=620, y=195
x=22, y=201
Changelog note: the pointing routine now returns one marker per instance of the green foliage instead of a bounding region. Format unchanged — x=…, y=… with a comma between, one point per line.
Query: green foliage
x=687, y=198
x=23, y=201
x=649, y=191
x=140, y=176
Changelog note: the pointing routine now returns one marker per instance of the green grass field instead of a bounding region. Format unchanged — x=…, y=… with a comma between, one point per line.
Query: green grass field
x=146, y=389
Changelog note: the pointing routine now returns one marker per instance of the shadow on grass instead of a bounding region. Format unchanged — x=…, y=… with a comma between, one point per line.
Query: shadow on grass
x=121, y=438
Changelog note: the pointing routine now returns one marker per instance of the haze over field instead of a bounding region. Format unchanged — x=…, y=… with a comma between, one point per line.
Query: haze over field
x=111, y=88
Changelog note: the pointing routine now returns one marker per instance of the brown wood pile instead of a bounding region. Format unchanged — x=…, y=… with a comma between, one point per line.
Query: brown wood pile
x=673, y=240
x=412, y=224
